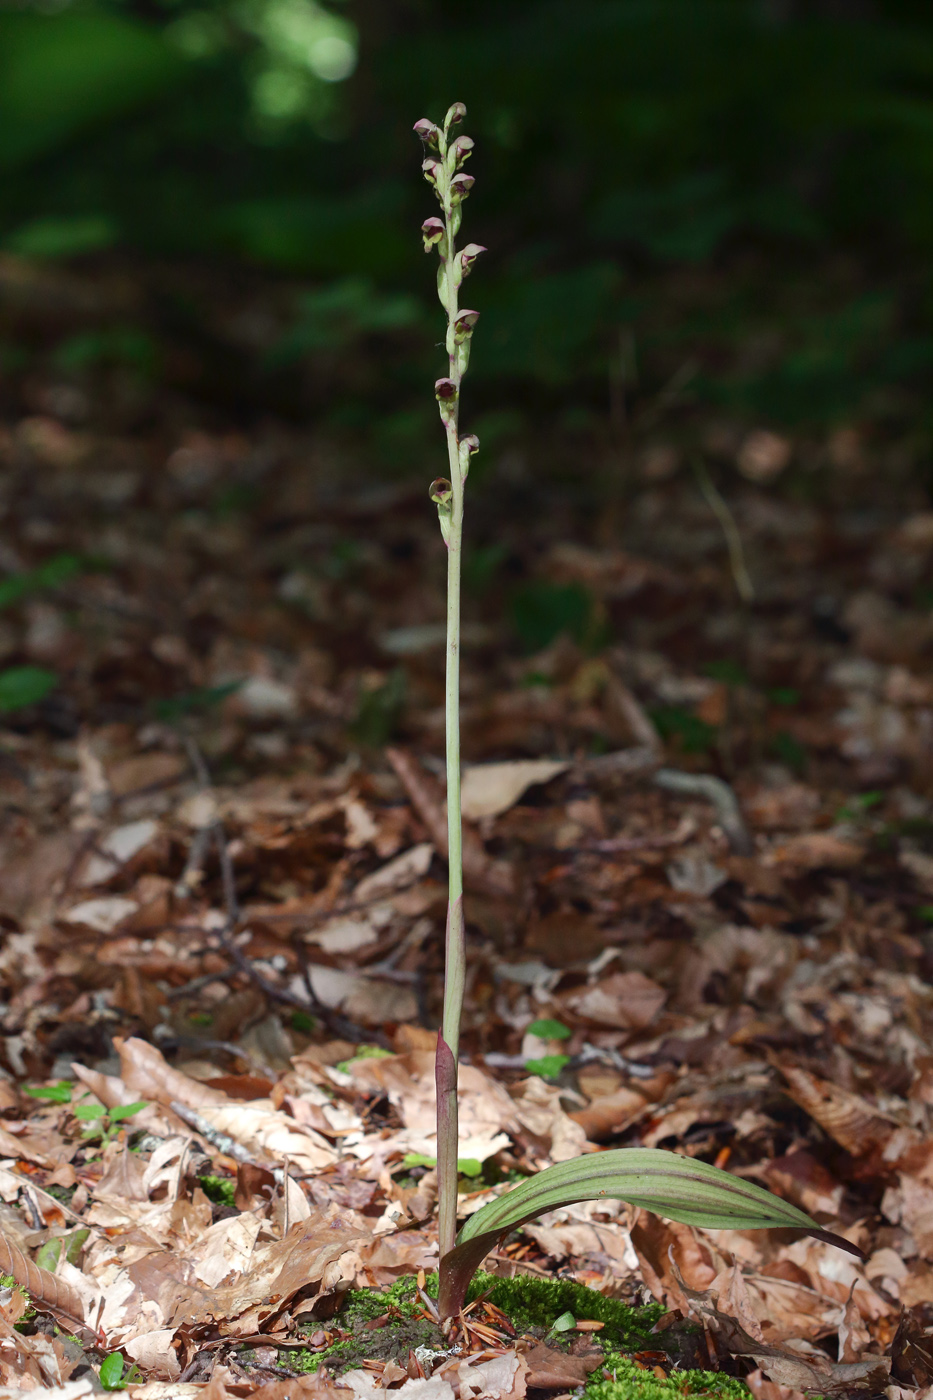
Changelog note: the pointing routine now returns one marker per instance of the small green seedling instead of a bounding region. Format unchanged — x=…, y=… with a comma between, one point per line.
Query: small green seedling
x=102, y=1122
x=55, y=1093
x=25, y=685
x=548, y=1067
x=114, y=1373
x=681, y=1188
x=466, y=1166
x=549, y=1030
x=50, y=1253
x=105, y=1123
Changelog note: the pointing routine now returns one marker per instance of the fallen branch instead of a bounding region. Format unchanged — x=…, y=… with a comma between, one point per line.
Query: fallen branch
x=723, y=799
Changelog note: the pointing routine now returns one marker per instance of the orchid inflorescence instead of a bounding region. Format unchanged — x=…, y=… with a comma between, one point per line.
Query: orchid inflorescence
x=679, y=1187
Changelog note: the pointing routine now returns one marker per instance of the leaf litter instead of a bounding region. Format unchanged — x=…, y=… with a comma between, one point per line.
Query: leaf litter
x=223, y=896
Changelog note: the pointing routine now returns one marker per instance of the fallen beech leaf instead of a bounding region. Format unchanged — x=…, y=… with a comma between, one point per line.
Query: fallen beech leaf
x=538, y=1108
x=912, y=1348
x=51, y=1294
x=116, y=849
x=486, y=1112
x=910, y=1203
x=609, y=1113
x=103, y=914
x=146, y=1075
x=401, y=872
x=627, y=1000
x=802, y=1179
x=655, y=1241
x=368, y=1383
x=763, y=1389
x=257, y=1126
x=307, y=1258
x=548, y=1369
x=819, y=850
x=503, y=1377
x=812, y=1372
x=856, y=1124
x=490, y=788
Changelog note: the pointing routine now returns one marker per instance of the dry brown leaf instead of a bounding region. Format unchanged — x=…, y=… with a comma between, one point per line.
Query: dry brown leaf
x=654, y=1240
x=257, y=1126
x=819, y=850
x=800, y=1178
x=502, y=1377
x=855, y=1124
x=626, y=1000
x=308, y=1258
x=910, y=1203
x=538, y=1109
x=486, y=1112
x=491, y=788
x=50, y=1294
x=609, y=1112
x=810, y=1371
x=549, y=1369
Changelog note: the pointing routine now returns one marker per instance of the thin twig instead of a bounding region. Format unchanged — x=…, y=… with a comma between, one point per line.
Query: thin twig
x=720, y=794
x=717, y=504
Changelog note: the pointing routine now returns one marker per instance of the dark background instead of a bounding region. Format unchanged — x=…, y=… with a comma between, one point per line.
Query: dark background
x=733, y=195
x=707, y=224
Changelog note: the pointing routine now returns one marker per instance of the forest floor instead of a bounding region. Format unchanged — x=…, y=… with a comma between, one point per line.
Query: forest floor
x=223, y=891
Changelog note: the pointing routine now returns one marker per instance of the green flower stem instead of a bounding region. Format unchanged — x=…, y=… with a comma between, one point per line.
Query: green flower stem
x=451, y=189
x=455, y=941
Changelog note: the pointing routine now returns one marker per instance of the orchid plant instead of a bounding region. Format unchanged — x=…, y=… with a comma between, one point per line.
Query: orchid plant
x=681, y=1188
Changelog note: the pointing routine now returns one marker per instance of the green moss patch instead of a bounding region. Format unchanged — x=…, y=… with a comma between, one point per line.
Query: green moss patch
x=532, y=1305
x=535, y=1304
x=359, y=1341
x=632, y=1382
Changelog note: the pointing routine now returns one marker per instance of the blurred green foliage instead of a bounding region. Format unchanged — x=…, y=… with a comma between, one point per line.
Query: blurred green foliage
x=614, y=137
x=543, y=611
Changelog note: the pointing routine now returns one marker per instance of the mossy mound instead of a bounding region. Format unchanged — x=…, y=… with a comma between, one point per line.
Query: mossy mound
x=633, y=1382
x=532, y=1305
x=404, y=1332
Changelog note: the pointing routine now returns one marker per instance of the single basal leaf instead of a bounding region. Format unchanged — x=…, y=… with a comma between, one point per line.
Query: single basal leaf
x=680, y=1188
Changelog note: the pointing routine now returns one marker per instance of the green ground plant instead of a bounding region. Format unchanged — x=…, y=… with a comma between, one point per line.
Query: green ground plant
x=681, y=1188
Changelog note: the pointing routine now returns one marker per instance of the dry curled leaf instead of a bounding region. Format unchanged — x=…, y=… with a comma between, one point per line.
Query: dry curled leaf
x=50, y=1294
x=854, y=1123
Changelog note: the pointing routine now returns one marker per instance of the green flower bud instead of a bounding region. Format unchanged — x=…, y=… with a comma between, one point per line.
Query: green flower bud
x=458, y=152
x=455, y=114
x=442, y=495
x=465, y=450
